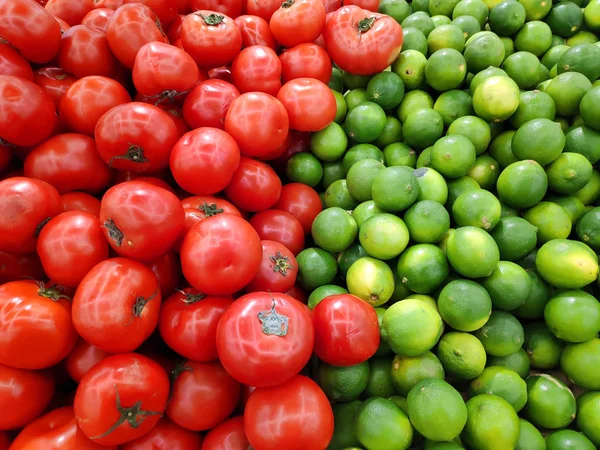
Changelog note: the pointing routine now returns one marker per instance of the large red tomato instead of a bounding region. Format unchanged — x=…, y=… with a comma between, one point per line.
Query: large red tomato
x=229, y=435
x=278, y=270
x=310, y=104
x=298, y=413
x=255, y=31
x=54, y=81
x=71, y=11
x=18, y=267
x=279, y=226
x=80, y=201
x=302, y=202
x=167, y=269
x=262, y=8
x=98, y=18
x=265, y=339
x=306, y=61
x=232, y=8
x=13, y=63
x=207, y=104
x=121, y=398
x=257, y=69
x=362, y=42
x=166, y=10
x=200, y=207
x=110, y=4
x=4, y=440
x=346, y=330
x=117, y=304
x=254, y=186
x=82, y=358
x=298, y=22
x=166, y=435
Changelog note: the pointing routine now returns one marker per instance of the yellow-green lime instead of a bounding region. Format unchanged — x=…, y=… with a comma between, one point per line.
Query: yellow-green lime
x=442, y=7
x=360, y=178
x=567, y=90
x=341, y=106
x=580, y=362
x=432, y=186
x=518, y=361
x=365, y=122
x=482, y=51
x=414, y=39
x=330, y=143
x=509, y=285
x=462, y=355
x=507, y=17
x=568, y=440
x=395, y=188
x=552, y=56
x=504, y=383
x=591, y=192
x=399, y=154
x=468, y=24
x=591, y=15
x=496, y=98
x=534, y=37
x=515, y=237
x=588, y=108
x=540, y=294
x=474, y=8
x=322, y=292
x=522, y=184
x=423, y=268
x=386, y=89
x=573, y=315
x=588, y=415
x=588, y=228
x=410, y=67
x=477, y=208
x=550, y=403
x=410, y=370
x=343, y=384
x=413, y=101
x=492, y=424
x=316, y=267
x=536, y=9
x=427, y=221
x=530, y=437
x=355, y=97
x=337, y=195
x=473, y=128
x=358, y=152
x=453, y=105
x=423, y=127
x=446, y=36
x=483, y=75
x=453, y=156
x=424, y=159
x=383, y=236
x=501, y=149
x=380, y=380
x=565, y=18
x=464, y=305
x=578, y=264
x=541, y=140
x=381, y=424
x=583, y=140
x=371, y=280
x=400, y=402
x=398, y=9
x=472, y=252
x=365, y=210
x=392, y=132
x=533, y=105
x=551, y=220
x=420, y=20
x=334, y=229
x=440, y=20
x=582, y=58
x=344, y=433
x=522, y=67
x=502, y=335
x=485, y=171
x=569, y=173
x=458, y=186
x=542, y=347
x=445, y=69
x=572, y=205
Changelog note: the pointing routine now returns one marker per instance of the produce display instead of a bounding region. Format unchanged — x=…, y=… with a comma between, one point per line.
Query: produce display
x=299, y=225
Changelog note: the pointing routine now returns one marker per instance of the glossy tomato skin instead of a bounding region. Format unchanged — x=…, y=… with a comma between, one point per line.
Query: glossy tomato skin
x=82, y=358
x=221, y=254
x=298, y=411
x=39, y=43
x=80, y=201
x=231, y=8
x=370, y=5
x=166, y=10
x=279, y=226
x=258, y=122
x=254, y=187
x=211, y=38
x=207, y=104
x=346, y=330
x=204, y=160
x=12, y=63
x=54, y=81
x=297, y=22
x=262, y=8
x=26, y=205
x=28, y=115
x=310, y=104
x=255, y=31
x=176, y=115
x=98, y=18
x=69, y=162
x=167, y=269
x=110, y=4
x=70, y=245
x=87, y=100
x=136, y=136
x=366, y=52
x=19, y=267
x=332, y=5
x=35, y=325
x=202, y=385
x=306, y=61
x=166, y=434
x=228, y=435
x=278, y=270
x=71, y=11
x=257, y=69
x=198, y=208
x=264, y=339
x=302, y=202
x=24, y=394
x=117, y=304
x=174, y=31
x=143, y=389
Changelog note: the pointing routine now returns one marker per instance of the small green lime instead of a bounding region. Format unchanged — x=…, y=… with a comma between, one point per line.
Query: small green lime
x=492, y=423
x=550, y=403
x=423, y=127
x=371, y=280
x=304, y=168
x=395, y=188
x=381, y=424
x=322, y=292
x=358, y=152
x=504, y=383
x=399, y=154
x=472, y=252
x=464, y=305
x=423, y=268
x=386, y=89
x=330, y=143
x=384, y=236
x=365, y=122
x=316, y=267
x=427, y=221
x=334, y=229
x=474, y=129
x=360, y=178
x=462, y=355
x=502, y=335
x=518, y=361
x=343, y=384
x=407, y=371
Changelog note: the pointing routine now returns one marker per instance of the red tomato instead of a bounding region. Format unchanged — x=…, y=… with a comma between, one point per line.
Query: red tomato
x=207, y=104
x=205, y=387
x=110, y=4
x=176, y=116
x=204, y=160
x=297, y=22
x=80, y=201
x=306, y=61
x=39, y=43
x=28, y=115
x=199, y=208
x=116, y=306
x=370, y=5
x=140, y=220
x=279, y=226
x=257, y=69
x=297, y=142
x=229, y=435
x=297, y=293
x=24, y=395
x=255, y=31
x=264, y=339
x=310, y=104
x=164, y=72
x=4, y=441
x=302, y=202
x=130, y=27
x=258, y=122
x=71, y=11
x=35, y=325
x=12, y=63
x=298, y=413
x=70, y=245
x=278, y=270
x=166, y=435
x=174, y=31
x=346, y=330
x=166, y=10
x=136, y=136
x=54, y=82
x=26, y=206
x=231, y=8
x=254, y=187
x=212, y=39
x=121, y=398
x=167, y=269
x=332, y=5
x=98, y=19
x=64, y=26
x=82, y=358
x=262, y=8
x=87, y=100
x=18, y=267
x=362, y=42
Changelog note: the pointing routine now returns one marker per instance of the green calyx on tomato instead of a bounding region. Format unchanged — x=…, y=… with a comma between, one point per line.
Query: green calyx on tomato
x=138, y=306
x=54, y=293
x=179, y=368
x=287, y=4
x=212, y=19
x=113, y=232
x=190, y=298
x=273, y=323
x=3, y=142
x=281, y=263
x=41, y=225
x=210, y=209
x=160, y=27
x=365, y=24
x=134, y=153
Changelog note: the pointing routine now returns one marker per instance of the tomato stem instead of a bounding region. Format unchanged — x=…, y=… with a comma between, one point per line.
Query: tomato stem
x=365, y=24
x=281, y=263
x=287, y=4
x=5, y=143
x=134, y=153
x=273, y=323
x=168, y=95
x=191, y=298
x=41, y=225
x=133, y=415
x=138, y=306
x=160, y=28
x=212, y=19
x=54, y=293
x=113, y=232
x=179, y=369
x=210, y=209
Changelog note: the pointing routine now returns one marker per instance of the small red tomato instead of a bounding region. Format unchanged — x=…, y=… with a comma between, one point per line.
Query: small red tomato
x=85, y=52
x=174, y=31
x=110, y=4
x=279, y=226
x=54, y=81
x=306, y=61
x=207, y=104
x=255, y=31
x=278, y=269
x=167, y=269
x=302, y=202
x=298, y=22
x=80, y=201
x=19, y=267
x=229, y=435
x=166, y=435
x=231, y=8
x=13, y=63
x=257, y=69
x=254, y=187
x=262, y=8
x=176, y=116
x=346, y=330
x=370, y=5
x=98, y=19
x=166, y=10
x=297, y=293
x=332, y=5
x=71, y=11
x=82, y=358
x=310, y=104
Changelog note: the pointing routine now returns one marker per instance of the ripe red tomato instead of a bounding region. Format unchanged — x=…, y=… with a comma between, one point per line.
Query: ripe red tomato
x=212, y=39
x=121, y=398
x=4, y=440
x=54, y=82
x=176, y=115
x=298, y=413
x=35, y=325
x=166, y=435
x=258, y=122
x=167, y=269
x=297, y=22
x=26, y=205
x=136, y=136
x=72, y=240
x=306, y=61
x=229, y=435
x=221, y=254
x=164, y=72
x=278, y=270
x=310, y=104
x=130, y=27
x=110, y=4
x=98, y=19
x=174, y=31
x=254, y=187
x=82, y=358
x=117, y=304
x=80, y=201
x=231, y=8
x=24, y=395
x=257, y=69
x=279, y=226
x=262, y=8
x=166, y=10
x=297, y=293
x=362, y=42
x=12, y=63
x=297, y=142
x=28, y=115
x=204, y=160
x=302, y=202
x=64, y=26
x=264, y=339
x=207, y=104
x=346, y=330
x=332, y=5
x=370, y=5
x=71, y=11
x=188, y=323
x=255, y=31
x=38, y=44
x=200, y=207
x=18, y=267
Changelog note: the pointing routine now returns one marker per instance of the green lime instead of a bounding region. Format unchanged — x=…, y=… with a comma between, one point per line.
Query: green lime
x=540, y=294
x=522, y=184
x=567, y=90
x=542, y=347
x=380, y=380
x=420, y=20
x=424, y=159
x=322, y=292
x=485, y=171
x=453, y=105
x=346, y=258
x=477, y=208
x=588, y=415
x=588, y=228
x=569, y=173
x=410, y=67
x=522, y=67
x=304, y=168
x=515, y=237
x=355, y=97
x=338, y=195
x=573, y=316
x=316, y=268
x=578, y=264
x=371, y=280
x=384, y=348
x=461, y=354
x=392, y=132
x=440, y=20
x=496, y=98
x=386, y=89
x=572, y=205
x=509, y=286
x=445, y=69
x=358, y=152
x=582, y=58
x=507, y=17
x=501, y=149
x=433, y=445
x=533, y=105
x=492, y=423
x=474, y=8
x=341, y=106
x=365, y=122
x=432, y=185
x=442, y=7
x=352, y=81
x=332, y=171
x=336, y=83
x=422, y=267
x=407, y=371
x=474, y=129
x=458, y=186
x=365, y=210
x=551, y=220
x=343, y=384
x=483, y=50
x=360, y=178
x=397, y=9
x=541, y=140
x=591, y=15
x=395, y=188
x=344, y=433
x=472, y=252
x=414, y=39
x=584, y=140
x=508, y=211
x=464, y=305
x=423, y=127
x=330, y=143
x=589, y=108
x=446, y=36
x=468, y=24
x=568, y=440
x=550, y=403
x=534, y=37
x=427, y=221
x=413, y=101
x=504, y=383
x=381, y=424
x=502, y=335
x=453, y=156
x=565, y=18
x=518, y=361
x=591, y=192
x=536, y=9
x=530, y=437
x=384, y=236
x=334, y=229
x=399, y=154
